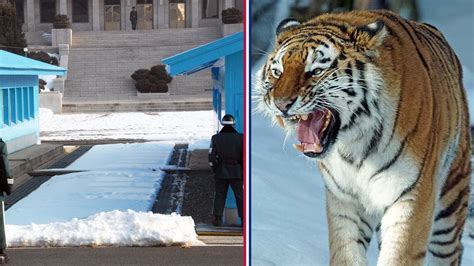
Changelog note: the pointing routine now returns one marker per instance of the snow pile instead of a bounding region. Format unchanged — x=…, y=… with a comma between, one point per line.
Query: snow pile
x=168, y=126
x=45, y=115
x=114, y=228
x=118, y=177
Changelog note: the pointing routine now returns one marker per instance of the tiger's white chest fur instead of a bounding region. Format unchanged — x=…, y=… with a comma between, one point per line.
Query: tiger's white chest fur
x=373, y=177
x=359, y=185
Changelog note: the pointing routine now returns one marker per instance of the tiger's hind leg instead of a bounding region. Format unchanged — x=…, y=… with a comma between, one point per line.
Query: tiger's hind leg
x=350, y=232
x=445, y=247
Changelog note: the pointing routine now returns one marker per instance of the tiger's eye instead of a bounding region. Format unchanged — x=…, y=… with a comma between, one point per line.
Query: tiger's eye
x=276, y=73
x=317, y=71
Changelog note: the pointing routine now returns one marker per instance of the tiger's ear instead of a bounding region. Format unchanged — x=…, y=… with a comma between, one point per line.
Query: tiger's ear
x=368, y=37
x=286, y=24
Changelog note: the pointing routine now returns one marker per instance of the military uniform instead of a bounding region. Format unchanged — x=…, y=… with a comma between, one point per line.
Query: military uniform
x=134, y=19
x=226, y=160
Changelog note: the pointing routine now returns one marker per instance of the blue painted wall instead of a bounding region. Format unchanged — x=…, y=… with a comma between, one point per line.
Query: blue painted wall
x=19, y=106
x=234, y=88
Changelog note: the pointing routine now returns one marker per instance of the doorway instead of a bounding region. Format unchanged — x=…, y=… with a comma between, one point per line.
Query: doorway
x=145, y=14
x=112, y=15
x=177, y=14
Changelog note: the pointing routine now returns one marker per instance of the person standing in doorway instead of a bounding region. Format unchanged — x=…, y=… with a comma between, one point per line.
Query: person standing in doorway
x=226, y=160
x=6, y=184
x=134, y=18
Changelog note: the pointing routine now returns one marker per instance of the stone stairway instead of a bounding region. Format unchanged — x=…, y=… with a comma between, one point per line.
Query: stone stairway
x=101, y=63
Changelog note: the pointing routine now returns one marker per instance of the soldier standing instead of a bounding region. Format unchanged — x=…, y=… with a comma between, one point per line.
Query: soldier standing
x=226, y=160
x=6, y=183
x=134, y=18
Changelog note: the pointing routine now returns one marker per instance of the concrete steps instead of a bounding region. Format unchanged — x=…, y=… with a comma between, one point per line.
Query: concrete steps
x=154, y=38
x=158, y=106
x=101, y=63
x=29, y=159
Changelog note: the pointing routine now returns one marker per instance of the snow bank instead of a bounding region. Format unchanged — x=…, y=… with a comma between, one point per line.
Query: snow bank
x=162, y=126
x=45, y=115
x=113, y=228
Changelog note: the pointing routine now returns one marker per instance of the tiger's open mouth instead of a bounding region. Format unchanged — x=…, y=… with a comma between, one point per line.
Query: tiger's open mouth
x=316, y=131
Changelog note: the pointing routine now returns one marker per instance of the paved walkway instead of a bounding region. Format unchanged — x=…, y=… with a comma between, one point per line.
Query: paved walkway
x=213, y=255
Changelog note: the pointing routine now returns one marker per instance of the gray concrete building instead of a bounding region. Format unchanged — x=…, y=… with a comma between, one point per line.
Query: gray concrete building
x=101, y=51
x=104, y=15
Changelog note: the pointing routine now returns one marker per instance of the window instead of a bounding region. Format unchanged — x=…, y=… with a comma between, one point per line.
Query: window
x=177, y=14
x=139, y=2
x=18, y=105
x=20, y=13
x=6, y=107
x=19, y=102
x=112, y=2
x=210, y=8
x=31, y=100
x=80, y=11
x=47, y=11
x=26, y=109
x=13, y=105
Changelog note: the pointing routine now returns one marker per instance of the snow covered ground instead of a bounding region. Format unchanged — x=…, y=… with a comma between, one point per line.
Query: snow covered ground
x=169, y=126
x=118, y=177
x=107, y=204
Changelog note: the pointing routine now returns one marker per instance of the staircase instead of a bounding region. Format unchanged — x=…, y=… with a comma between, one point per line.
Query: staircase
x=101, y=63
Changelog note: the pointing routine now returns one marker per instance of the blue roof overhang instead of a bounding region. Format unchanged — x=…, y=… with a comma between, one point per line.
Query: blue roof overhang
x=204, y=56
x=13, y=64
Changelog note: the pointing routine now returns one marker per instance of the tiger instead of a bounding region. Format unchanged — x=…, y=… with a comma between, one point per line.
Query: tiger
x=378, y=103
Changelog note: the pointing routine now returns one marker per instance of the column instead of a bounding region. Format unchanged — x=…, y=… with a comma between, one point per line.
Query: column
x=156, y=7
x=165, y=14
x=95, y=15
x=30, y=15
x=228, y=4
x=63, y=7
x=194, y=13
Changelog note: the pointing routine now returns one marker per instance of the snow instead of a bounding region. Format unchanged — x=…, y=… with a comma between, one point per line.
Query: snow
x=106, y=205
x=114, y=228
x=118, y=177
x=163, y=126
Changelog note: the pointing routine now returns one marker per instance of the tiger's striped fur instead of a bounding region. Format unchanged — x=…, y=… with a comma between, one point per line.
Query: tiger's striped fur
x=399, y=166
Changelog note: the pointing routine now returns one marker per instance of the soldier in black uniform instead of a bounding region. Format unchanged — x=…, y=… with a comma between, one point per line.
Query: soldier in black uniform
x=6, y=183
x=226, y=159
x=134, y=18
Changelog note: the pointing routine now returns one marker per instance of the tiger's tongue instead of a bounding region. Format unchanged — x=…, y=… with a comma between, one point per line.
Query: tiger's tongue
x=309, y=132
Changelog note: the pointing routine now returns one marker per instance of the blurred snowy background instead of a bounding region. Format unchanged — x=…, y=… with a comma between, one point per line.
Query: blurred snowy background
x=288, y=217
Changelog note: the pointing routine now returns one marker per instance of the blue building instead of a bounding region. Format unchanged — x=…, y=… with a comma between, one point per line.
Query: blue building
x=19, y=99
x=228, y=78
x=226, y=59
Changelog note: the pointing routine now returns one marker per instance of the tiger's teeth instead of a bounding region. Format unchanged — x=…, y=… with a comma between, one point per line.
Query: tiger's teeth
x=304, y=117
x=299, y=147
x=317, y=148
x=280, y=121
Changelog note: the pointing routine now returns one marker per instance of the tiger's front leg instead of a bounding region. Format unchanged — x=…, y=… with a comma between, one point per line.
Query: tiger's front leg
x=405, y=230
x=350, y=232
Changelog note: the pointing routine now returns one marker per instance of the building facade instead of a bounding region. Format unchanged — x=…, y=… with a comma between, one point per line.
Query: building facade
x=103, y=15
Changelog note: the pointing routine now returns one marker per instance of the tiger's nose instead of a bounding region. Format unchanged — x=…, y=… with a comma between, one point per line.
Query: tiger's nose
x=284, y=104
